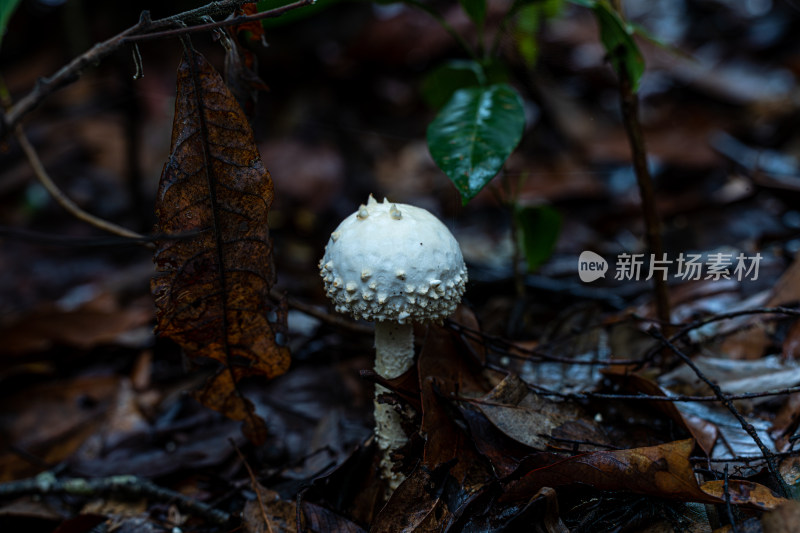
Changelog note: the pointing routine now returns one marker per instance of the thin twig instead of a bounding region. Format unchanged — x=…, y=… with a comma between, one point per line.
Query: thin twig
x=132, y=486
x=60, y=240
x=728, y=507
x=73, y=70
x=654, y=398
x=63, y=200
x=790, y=311
x=728, y=403
x=501, y=345
x=272, y=13
x=733, y=314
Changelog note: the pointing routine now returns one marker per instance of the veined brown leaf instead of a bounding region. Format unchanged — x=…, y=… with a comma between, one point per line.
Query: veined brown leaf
x=663, y=471
x=214, y=276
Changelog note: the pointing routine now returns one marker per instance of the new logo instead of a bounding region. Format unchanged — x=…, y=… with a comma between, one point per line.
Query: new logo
x=591, y=266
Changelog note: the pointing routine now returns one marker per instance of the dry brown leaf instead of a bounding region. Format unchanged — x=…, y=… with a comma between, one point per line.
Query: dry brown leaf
x=322, y=520
x=212, y=291
x=100, y=321
x=534, y=420
x=663, y=471
x=743, y=492
x=783, y=519
x=752, y=342
x=704, y=432
x=279, y=514
x=51, y=421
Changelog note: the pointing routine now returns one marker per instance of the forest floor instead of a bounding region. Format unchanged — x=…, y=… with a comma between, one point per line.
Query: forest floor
x=546, y=403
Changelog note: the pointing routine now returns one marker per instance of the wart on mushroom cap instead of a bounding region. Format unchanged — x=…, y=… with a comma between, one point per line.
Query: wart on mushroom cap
x=393, y=262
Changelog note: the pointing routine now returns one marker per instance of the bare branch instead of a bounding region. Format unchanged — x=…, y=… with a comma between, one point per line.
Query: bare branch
x=144, y=27
x=272, y=13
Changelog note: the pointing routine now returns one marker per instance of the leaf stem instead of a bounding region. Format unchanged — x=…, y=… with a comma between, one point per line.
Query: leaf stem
x=629, y=103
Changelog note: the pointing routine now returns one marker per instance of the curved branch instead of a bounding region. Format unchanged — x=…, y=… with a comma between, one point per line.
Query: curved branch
x=63, y=200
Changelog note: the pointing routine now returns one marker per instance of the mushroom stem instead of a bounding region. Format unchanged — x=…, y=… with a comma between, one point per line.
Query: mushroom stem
x=394, y=348
x=394, y=355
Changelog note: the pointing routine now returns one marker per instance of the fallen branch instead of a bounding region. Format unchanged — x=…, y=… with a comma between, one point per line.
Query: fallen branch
x=128, y=486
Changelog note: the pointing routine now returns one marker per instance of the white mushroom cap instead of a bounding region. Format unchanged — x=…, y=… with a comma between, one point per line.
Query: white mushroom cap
x=393, y=262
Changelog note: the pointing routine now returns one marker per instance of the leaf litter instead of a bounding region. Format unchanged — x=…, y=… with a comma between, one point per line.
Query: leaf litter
x=527, y=408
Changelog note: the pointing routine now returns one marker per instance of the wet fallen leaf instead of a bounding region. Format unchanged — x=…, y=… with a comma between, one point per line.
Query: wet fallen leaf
x=743, y=492
x=322, y=520
x=750, y=338
x=51, y=421
x=99, y=321
x=429, y=500
x=783, y=519
x=704, y=432
x=503, y=452
x=268, y=512
x=30, y=508
x=215, y=272
x=663, y=471
x=534, y=420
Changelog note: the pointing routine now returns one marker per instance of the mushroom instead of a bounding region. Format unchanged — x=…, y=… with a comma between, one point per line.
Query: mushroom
x=394, y=264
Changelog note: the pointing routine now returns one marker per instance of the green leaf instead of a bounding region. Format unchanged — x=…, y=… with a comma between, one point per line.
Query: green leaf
x=7, y=7
x=438, y=86
x=538, y=228
x=474, y=133
x=476, y=9
x=528, y=21
x=583, y=3
x=616, y=37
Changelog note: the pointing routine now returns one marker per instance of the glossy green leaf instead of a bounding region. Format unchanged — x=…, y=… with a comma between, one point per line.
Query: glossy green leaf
x=474, y=133
x=7, y=8
x=617, y=39
x=476, y=9
x=538, y=228
x=438, y=86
